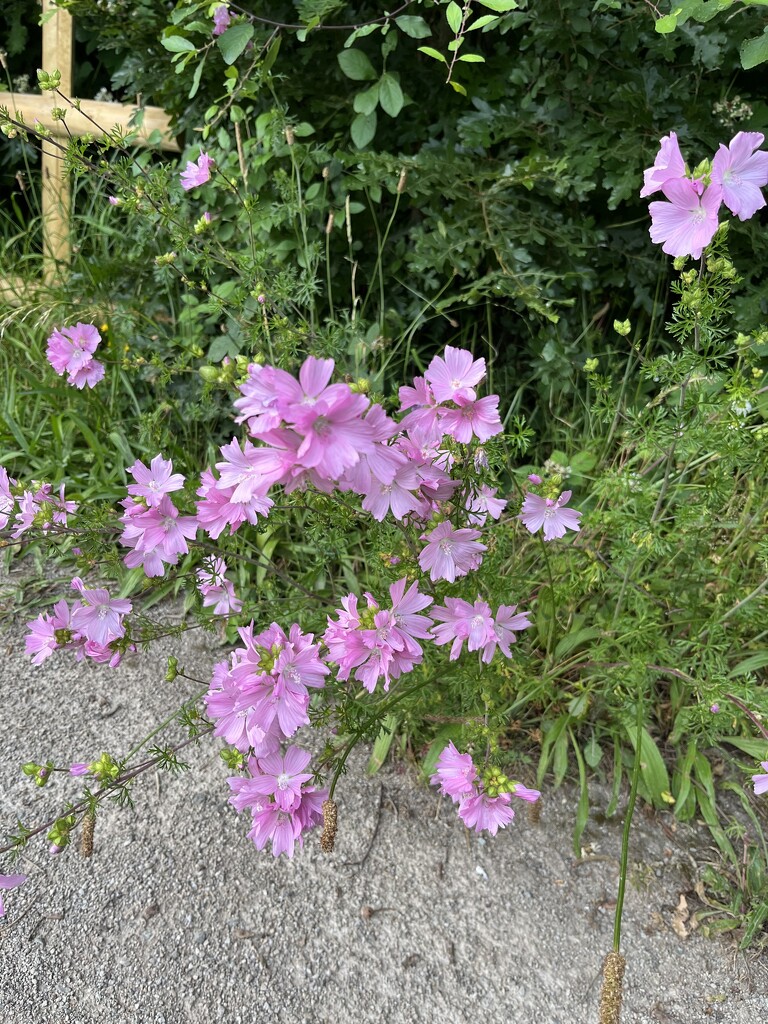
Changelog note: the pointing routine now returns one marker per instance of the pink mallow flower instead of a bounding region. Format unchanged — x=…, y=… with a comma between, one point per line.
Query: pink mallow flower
x=70, y=350
x=41, y=641
x=455, y=774
x=99, y=617
x=551, y=514
x=478, y=419
x=450, y=553
x=195, y=174
x=282, y=778
x=8, y=882
x=486, y=813
x=455, y=375
x=669, y=164
x=221, y=20
x=688, y=222
x=475, y=623
x=761, y=781
x=216, y=589
x=151, y=484
x=741, y=173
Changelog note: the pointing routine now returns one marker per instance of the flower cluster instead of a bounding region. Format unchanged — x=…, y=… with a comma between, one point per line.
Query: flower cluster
x=154, y=530
x=483, y=799
x=222, y=18
x=284, y=804
x=70, y=350
x=379, y=643
x=24, y=509
x=687, y=221
x=478, y=626
x=92, y=627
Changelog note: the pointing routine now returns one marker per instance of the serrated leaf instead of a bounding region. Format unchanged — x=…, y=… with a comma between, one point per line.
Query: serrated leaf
x=234, y=41
x=754, y=51
x=363, y=129
x=432, y=52
x=413, y=26
x=365, y=102
x=356, y=66
x=178, y=44
x=453, y=16
x=390, y=95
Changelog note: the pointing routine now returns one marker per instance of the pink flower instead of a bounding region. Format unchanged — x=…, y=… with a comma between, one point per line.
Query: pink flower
x=455, y=774
x=283, y=777
x=195, y=174
x=70, y=351
x=479, y=419
x=7, y=500
x=8, y=882
x=761, y=781
x=486, y=813
x=688, y=222
x=98, y=616
x=455, y=376
x=668, y=164
x=482, y=503
x=741, y=173
x=78, y=768
x=221, y=20
x=216, y=589
x=529, y=795
x=151, y=484
x=474, y=623
x=41, y=640
x=157, y=535
x=552, y=515
x=450, y=553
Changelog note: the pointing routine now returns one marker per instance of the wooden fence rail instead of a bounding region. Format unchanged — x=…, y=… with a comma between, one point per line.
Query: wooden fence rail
x=58, y=55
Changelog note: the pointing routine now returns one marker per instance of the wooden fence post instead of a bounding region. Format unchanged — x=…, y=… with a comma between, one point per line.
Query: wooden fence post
x=58, y=55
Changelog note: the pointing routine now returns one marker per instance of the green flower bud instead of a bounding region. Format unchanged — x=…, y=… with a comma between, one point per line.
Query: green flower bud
x=172, y=670
x=622, y=327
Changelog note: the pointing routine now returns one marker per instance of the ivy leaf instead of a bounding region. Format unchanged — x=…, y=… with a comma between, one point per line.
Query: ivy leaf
x=234, y=41
x=413, y=26
x=390, y=95
x=363, y=129
x=365, y=102
x=356, y=65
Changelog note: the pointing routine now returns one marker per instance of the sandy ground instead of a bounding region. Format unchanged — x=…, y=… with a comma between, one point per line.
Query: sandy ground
x=177, y=918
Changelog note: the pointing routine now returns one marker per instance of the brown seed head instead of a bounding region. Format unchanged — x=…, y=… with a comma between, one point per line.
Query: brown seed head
x=328, y=837
x=614, y=965
x=86, y=834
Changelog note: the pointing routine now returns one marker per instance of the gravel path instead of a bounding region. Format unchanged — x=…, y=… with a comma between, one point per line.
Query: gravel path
x=177, y=918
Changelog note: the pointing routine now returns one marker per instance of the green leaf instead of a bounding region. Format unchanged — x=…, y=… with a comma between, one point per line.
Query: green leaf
x=453, y=16
x=390, y=94
x=582, y=810
x=472, y=58
x=575, y=639
x=178, y=44
x=754, y=51
x=500, y=6
x=365, y=102
x=363, y=129
x=749, y=665
x=432, y=52
x=666, y=24
x=356, y=66
x=481, y=22
x=234, y=41
x=654, y=779
x=271, y=56
x=551, y=737
x=755, y=748
x=593, y=752
x=383, y=743
x=196, y=79
x=413, y=26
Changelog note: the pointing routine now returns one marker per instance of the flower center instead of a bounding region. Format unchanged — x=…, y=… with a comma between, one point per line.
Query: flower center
x=283, y=781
